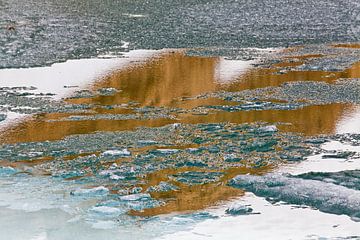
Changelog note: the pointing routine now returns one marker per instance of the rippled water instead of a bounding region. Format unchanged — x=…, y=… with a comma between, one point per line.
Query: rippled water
x=37, y=32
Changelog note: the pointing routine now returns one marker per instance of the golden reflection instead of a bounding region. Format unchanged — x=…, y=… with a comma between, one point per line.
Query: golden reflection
x=311, y=120
x=259, y=78
x=194, y=197
x=167, y=81
x=161, y=81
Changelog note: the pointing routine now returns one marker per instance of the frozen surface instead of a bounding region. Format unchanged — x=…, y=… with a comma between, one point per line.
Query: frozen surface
x=350, y=123
x=273, y=222
x=317, y=162
x=326, y=197
x=42, y=32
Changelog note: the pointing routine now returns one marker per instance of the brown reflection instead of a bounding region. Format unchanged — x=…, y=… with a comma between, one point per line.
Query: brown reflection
x=259, y=78
x=167, y=81
x=348, y=45
x=311, y=120
x=161, y=81
x=196, y=196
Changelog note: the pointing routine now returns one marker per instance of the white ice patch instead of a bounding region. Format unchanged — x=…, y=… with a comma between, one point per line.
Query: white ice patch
x=278, y=222
x=227, y=71
x=316, y=163
x=350, y=122
x=135, y=197
x=167, y=151
x=62, y=79
x=131, y=15
x=271, y=128
x=55, y=78
x=101, y=190
x=123, y=152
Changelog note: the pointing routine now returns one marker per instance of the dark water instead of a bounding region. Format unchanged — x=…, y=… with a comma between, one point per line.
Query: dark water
x=38, y=32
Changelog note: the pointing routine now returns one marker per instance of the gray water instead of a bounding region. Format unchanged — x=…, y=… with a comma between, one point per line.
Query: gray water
x=38, y=32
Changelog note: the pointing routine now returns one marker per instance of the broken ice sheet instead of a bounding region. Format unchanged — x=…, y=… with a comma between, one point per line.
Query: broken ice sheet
x=323, y=195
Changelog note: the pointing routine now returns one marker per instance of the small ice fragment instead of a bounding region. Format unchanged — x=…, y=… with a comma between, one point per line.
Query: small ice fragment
x=135, y=197
x=162, y=187
x=98, y=191
x=271, y=128
x=7, y=171
x=176, y=125
x=167, y=151
x=125, y=44
x=107, y=91
x=239, y=209
x=192, y=149
x=2, y=117
x=123, y=152
x=356, y=217
x=146, y=142
x=345, y=155
x=116, y=177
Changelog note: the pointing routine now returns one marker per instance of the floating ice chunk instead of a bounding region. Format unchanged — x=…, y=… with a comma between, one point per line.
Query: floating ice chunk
x=135, y=197
x=239, y=209
x=260, y=146
x=231, y=158
x=123, y=152
x=146, y=142
x=125, y=44
x=191, y=163
x=176, y=125
x=2, y=117
x=7, y=171
x=131, y=15
x=191, y=150
x=116, y=177
x=326, y=197
x=271, y=128
x=98, y=191
x=345, y=154
x=166, y=151
x=35, y=154
x=107, y=91
x=349, y=178
x=193, y=178
x=162, y=187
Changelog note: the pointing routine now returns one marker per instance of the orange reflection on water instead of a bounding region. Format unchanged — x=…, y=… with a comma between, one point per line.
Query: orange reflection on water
x=166, y=80
x=348, y=45
x=194, y=197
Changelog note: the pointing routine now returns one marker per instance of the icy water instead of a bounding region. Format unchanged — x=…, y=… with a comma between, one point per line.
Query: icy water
x=181, y=119
x=176, y=145
x=37, y=32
